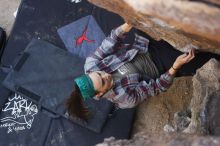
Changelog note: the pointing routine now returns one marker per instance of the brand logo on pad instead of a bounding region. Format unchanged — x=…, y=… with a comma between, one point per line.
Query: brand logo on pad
x=82, y=36
x=17, y=114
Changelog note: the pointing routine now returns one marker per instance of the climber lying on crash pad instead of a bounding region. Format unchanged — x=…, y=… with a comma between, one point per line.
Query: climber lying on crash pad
x=122, y=73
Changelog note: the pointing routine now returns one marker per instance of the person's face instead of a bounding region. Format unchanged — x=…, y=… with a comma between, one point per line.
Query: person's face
x=102, y=82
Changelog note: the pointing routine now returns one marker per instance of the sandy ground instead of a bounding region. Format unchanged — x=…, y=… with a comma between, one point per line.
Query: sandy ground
x=153, y=114
x=7, y=8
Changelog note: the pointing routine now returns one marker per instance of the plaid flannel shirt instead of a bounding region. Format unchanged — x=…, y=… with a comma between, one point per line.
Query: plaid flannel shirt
x=132, y=89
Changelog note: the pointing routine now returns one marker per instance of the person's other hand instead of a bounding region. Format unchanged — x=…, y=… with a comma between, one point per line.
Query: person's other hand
x=184, y=58
x=126, y=27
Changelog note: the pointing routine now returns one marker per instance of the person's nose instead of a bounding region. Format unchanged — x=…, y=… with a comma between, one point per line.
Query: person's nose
x=105, y=75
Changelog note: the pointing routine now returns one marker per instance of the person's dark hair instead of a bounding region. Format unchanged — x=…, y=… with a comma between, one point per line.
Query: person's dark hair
x=75, y=106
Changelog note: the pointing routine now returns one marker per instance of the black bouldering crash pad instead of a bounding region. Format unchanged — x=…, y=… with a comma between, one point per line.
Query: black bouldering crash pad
x=45, y=74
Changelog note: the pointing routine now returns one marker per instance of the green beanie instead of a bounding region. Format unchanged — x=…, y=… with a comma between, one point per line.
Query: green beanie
x=86, y=87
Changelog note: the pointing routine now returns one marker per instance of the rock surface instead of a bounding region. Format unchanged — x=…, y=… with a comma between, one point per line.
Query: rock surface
x=181, y=23
x=163, y=139
x=206, y=88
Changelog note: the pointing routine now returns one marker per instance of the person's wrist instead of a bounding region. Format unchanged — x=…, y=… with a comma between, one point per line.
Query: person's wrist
x=126, y=27
x=176, y=66
x=172, y=71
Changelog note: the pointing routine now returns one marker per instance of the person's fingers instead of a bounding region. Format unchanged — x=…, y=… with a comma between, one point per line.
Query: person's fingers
x=193, y=54
x=191, y=57
x=186, y=57
x=183, y=56
x=190, y=54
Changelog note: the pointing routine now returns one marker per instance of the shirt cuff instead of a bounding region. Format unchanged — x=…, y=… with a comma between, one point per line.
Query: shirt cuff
x=168, y=76
x=120, y=33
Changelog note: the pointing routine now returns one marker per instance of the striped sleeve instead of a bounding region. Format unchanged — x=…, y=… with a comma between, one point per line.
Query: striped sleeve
x=154, y=87
x=145, y=90
x=105, y=49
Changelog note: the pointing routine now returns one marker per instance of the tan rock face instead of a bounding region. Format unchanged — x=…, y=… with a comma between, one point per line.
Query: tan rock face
x=153, y=114
x=182, y=23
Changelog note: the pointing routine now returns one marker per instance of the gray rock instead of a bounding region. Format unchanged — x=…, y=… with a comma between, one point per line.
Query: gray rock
x=164, y=139
x=206, y=86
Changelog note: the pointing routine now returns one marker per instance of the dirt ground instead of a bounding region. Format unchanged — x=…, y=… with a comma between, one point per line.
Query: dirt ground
x=7, y=8
x=153, y=114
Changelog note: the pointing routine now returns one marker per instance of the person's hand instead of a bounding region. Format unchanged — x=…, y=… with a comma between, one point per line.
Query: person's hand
x=183, y=59
x=126, y=27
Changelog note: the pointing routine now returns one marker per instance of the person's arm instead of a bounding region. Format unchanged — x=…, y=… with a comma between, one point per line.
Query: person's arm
x=107, y=47
x=144, y=90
